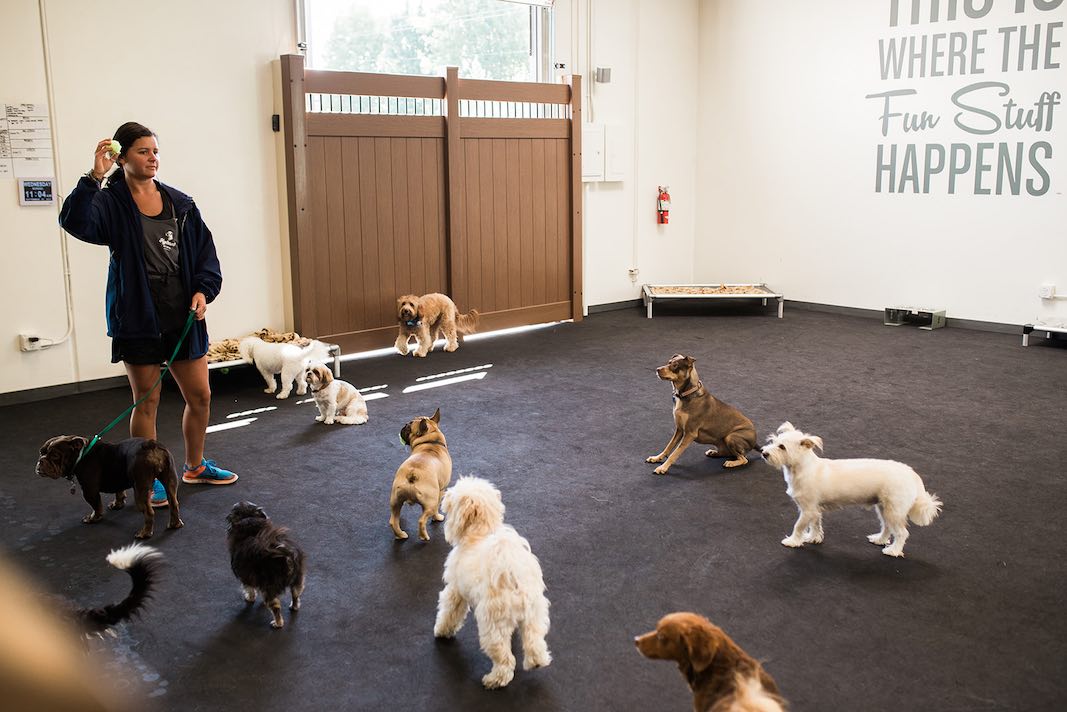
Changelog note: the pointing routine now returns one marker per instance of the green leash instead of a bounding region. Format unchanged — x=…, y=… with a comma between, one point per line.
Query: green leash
x=162, y=372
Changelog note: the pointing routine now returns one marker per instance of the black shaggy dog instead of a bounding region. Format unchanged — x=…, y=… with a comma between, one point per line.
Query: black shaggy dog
x=142, y=563
x=264, y=558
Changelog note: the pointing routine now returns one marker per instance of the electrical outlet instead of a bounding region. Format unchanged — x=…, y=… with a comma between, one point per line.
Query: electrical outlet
x=633, y=272
x=1047, y=291
x=30, y=343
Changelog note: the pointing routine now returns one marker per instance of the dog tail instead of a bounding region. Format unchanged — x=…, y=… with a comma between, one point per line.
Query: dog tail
x=316, y=352
x=926, y=507
x=467, y=323
x=142, y=563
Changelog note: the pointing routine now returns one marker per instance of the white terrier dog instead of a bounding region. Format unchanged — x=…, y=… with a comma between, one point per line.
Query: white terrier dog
x=492, y=570
x=893, y=489
x=338, y=401
x=289, y=360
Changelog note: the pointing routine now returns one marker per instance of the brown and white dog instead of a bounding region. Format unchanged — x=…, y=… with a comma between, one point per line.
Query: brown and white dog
x=113, y=468
x=701, y=417
x=338, y=401
x=722, y=676
x=422, y=478
x=428, y=318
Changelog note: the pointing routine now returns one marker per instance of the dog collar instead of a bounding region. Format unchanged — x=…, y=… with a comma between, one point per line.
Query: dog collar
x=691, y=391
x=412, y=322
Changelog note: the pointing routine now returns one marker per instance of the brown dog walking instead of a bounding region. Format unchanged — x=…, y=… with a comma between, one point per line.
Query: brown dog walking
x=703, y=418
x=422, y=478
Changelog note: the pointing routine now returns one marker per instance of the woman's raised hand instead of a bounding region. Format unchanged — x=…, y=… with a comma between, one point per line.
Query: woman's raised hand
x=103, y=159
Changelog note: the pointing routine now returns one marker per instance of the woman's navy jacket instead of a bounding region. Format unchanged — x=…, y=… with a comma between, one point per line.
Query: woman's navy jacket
x=108, y=216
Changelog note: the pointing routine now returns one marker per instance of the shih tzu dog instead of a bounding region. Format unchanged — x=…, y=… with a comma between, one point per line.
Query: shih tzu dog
x=491, y=570
x=338, y=401
x=264, y=559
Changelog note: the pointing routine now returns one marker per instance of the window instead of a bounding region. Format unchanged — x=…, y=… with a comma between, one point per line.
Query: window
x=486, y=39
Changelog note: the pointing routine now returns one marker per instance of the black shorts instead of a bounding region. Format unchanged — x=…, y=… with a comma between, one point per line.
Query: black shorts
x=145, y=352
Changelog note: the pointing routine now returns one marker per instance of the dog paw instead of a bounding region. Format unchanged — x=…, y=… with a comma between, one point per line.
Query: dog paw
x=890, y=551
x=143, y=534
x=539, y=659
x=792, y=542
x=329, y=421
x=301, y=391
x=401, y=535
x=92, y=518
x=424, y=535
x=816, y=539
x=878, y=539
x=318, y=418
x=176, y=524
x=655, y=458
x=439, y=631
x=360, y=421
x=420, y=354
x=439, y=517
x=735, y=463
x=283, y=395
x=497, y=678
x=249, y=594
x=711, y=452
x=661, y=470
x=276, y=625
x=451, y=347
x=295, y=605
x=268, y=390
x=116, y=505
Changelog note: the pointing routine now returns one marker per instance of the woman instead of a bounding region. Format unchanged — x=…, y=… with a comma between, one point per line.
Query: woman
x=163, y=265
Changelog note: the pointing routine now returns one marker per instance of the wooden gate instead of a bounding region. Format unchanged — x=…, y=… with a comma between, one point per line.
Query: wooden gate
x=403, y=184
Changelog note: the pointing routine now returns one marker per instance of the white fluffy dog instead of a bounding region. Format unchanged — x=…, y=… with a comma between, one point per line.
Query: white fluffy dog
x=289, y=360
x=338, y=401
x=893, y=489
x=492, y=570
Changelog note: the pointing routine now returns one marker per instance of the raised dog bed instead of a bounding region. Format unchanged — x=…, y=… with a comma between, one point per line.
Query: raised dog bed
x=652, y=292
x=1049, y=330
x=922, y=317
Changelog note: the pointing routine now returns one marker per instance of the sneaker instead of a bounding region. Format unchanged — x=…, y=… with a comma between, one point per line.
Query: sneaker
x=208, y=474
x=159, y=495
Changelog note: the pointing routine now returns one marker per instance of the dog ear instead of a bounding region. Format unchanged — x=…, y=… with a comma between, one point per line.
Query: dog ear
x=78, y=442
x=689, y=360
x=701, y=644
x=811, y=442
x=785, y=427
x=421, y=427
x=436, y=417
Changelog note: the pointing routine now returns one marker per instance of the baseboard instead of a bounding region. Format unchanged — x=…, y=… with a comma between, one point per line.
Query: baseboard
x=879, y=314
x=614, y=306
x=32, y=395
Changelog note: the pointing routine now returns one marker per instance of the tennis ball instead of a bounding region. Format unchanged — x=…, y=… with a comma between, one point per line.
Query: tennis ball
x=115, y=148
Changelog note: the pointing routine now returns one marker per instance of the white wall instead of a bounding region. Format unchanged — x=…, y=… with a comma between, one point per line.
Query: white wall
x=198, y=73
x=787, y=152
x=651, y=47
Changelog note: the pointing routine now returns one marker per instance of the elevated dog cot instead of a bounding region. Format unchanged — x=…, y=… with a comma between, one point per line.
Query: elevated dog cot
x=652, y=292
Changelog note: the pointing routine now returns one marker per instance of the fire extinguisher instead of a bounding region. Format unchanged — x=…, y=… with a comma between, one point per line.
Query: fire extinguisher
x=663, y=206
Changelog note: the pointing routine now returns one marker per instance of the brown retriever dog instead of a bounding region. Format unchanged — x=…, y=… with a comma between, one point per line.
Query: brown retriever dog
x=702, y=417
x=422, y=478
x=430, y=317
x=722, y=676
x=113, y=468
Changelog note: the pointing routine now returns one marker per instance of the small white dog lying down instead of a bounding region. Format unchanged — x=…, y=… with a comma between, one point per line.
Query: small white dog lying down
x=338, y=401
x=492, y=570
x=893, y=489
x=289, y=360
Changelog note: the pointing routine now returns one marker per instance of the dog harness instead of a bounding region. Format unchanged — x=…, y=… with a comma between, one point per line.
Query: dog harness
x=689, y=392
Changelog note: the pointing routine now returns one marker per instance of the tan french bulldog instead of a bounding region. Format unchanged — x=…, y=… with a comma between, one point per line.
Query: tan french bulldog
x=423, y=477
